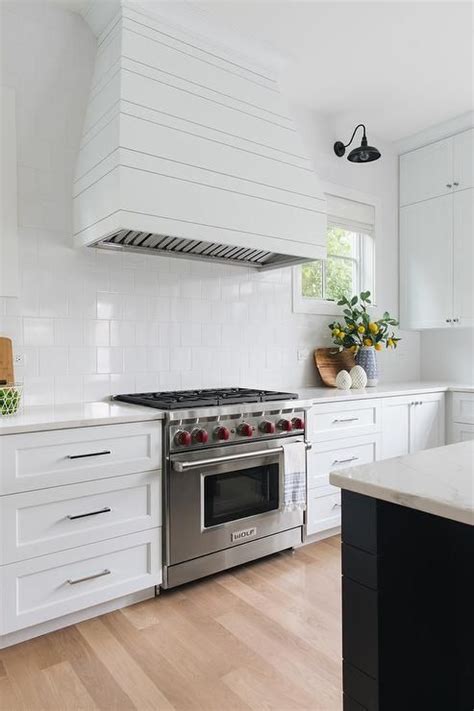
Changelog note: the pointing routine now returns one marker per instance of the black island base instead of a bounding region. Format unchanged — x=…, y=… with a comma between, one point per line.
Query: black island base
x=408, y=612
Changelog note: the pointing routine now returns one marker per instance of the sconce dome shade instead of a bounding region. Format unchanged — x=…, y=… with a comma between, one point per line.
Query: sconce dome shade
x=363, y=154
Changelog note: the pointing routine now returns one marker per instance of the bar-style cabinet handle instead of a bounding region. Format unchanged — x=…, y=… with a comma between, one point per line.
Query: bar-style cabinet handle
x=346, y=419
x=73, y=581
x=72, y=517
x=337, y=506
x=91, y=454
x=345, y=461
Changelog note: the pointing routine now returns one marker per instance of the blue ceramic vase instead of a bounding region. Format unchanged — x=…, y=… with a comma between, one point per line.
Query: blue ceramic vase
x=367, y=358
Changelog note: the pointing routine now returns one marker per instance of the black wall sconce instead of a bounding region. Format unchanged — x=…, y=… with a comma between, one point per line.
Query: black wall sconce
x=363, y=154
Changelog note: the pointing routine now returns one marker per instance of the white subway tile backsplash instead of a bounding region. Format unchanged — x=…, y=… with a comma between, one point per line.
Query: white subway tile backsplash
x=98, y=333
x=109, y=306
x=53, y=361
x=37, y=331
x=82, y=360
x=68, y=332
x=109, y=360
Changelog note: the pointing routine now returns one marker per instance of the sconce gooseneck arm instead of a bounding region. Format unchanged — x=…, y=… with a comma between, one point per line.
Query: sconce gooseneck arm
x=360, y=125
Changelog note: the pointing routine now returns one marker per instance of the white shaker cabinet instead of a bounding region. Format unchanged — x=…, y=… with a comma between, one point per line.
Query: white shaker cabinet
x=463, y=160
x=463, y=258
x=426, y=263
x=411, y=424
x=437, y=169
x=426, y=172
x=461, y=416
x=9, y=272
x=436, y=235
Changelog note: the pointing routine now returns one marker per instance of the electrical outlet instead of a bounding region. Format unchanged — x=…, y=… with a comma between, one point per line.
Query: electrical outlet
x=20, y=359
x=302, y=353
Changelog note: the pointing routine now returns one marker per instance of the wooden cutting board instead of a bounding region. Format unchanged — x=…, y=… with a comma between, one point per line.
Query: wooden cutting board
x=6, y=360
x=329, y=361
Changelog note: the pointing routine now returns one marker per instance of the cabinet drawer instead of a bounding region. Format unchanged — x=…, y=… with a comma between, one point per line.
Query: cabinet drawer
x=50, y=520
x=463, y=407
x=462, y=433
x=328, y=422
x=323, y=510
x=50, y=586
x=41, y=459
x=324, y=458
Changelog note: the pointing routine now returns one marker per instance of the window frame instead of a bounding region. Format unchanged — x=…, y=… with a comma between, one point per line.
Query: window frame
x=323, y=306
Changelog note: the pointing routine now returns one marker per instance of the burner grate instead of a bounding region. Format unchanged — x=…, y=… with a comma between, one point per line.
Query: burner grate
x=176, y=399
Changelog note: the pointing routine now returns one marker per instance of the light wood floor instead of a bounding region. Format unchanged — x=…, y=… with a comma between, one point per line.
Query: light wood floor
x=265, y=636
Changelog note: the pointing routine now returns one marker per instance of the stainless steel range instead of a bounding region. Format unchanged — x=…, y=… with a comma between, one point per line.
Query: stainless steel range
x=222, y=477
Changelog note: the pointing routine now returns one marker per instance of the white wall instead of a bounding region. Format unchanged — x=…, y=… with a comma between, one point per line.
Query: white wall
x=90, y=324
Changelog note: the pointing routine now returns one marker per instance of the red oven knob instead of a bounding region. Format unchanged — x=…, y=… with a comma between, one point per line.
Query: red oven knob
x=183, y=438
x=245, y=430
x=285, y=425
x=221, y=433
x=200, y=436
x=267, y=427
x=298, y=423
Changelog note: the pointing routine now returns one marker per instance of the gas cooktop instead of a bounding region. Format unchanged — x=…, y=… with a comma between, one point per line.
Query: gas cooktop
x=178, y=399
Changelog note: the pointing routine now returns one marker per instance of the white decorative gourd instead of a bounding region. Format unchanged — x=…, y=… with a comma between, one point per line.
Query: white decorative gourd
x=359, y=377
x=343, y=380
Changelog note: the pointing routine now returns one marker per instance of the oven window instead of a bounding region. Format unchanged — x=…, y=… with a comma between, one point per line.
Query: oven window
x=228, y=497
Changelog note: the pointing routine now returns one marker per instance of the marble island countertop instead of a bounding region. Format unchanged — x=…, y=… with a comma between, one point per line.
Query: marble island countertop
x=438, y=481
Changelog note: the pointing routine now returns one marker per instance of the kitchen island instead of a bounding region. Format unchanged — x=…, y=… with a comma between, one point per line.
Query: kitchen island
x=407, y=585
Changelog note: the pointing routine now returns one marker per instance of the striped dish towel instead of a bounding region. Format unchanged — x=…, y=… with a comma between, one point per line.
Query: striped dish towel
x=293, y=478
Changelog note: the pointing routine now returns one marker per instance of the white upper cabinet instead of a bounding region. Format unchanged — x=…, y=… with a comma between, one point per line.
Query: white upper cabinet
x=463, y=258
x=426, y=254
x=438, y=169
x=463, y=160
x=436, y=235
x=426, y=172
x=9, y=274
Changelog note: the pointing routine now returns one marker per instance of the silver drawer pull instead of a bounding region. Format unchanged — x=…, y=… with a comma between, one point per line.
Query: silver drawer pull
x=92, y=454
x=345, y=461
x=72, y=517
x=88, y=577
x=337, y=506
x=346, y=419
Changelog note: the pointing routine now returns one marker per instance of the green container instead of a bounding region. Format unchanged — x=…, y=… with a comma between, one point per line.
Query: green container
x=10, y=399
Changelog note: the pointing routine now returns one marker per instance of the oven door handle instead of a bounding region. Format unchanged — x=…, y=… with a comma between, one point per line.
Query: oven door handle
x=184, y=466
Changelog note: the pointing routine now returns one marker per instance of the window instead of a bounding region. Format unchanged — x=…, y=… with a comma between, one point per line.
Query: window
x=349, y=266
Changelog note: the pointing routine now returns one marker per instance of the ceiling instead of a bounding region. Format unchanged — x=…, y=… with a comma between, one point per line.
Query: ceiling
x=398, y=66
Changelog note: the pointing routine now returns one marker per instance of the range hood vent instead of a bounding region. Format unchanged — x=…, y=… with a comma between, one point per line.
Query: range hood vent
x=188, y=149
x=166, y=245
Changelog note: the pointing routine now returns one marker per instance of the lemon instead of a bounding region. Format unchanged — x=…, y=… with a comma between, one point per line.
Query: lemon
x=336, y=332
x=378, y=346
x=373, y=328
x=367, y=342
x=354, y=349
x=389, y=343
x=361, y=329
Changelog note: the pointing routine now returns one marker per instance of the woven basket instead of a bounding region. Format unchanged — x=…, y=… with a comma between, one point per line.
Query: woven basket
x=10, y=399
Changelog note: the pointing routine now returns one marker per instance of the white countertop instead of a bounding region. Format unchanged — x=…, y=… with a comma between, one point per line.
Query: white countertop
x=325, y=394
x=34, y=419
x=438, y=481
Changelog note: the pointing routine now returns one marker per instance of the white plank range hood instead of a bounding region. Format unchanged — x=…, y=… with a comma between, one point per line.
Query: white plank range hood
x=188, y=151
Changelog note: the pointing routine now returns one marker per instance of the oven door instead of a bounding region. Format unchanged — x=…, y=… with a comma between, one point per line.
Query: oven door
x=223, y=497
